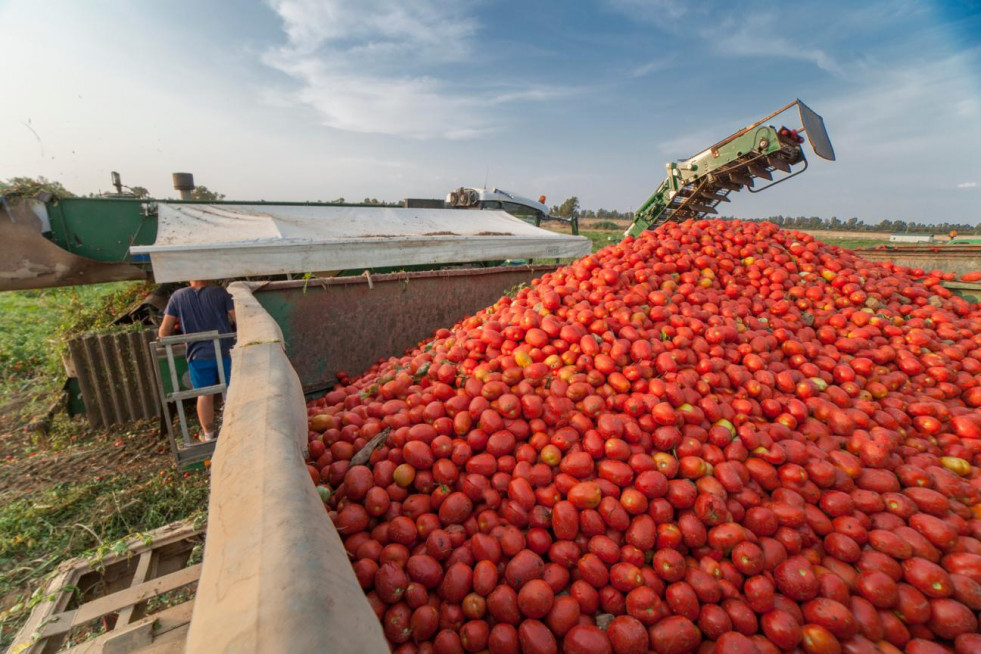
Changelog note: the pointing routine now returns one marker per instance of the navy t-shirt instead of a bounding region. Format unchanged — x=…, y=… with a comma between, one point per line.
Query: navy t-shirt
x=201, y=310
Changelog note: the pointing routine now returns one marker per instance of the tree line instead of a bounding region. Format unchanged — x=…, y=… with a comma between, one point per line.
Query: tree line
x=854, y=224
x=570, y=208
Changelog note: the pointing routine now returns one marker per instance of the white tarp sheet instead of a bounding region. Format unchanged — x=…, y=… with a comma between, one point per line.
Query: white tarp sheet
x=206, y=241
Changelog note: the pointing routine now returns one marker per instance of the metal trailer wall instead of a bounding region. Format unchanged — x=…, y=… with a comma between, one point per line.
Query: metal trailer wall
x=348, y=323
x=952, y=258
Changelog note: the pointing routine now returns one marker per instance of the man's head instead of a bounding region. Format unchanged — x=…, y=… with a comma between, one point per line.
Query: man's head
x=197, y=283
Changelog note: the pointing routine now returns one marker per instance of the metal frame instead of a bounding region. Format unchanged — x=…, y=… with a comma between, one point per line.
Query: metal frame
x=192, y=451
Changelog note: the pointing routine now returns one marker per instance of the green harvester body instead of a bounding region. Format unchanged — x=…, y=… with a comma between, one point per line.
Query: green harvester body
x=693, y=188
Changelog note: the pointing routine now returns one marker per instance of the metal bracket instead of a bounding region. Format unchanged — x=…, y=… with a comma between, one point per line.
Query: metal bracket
x=783, y=179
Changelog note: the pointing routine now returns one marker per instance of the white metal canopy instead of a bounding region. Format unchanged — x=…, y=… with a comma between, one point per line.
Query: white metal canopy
x=210, y=241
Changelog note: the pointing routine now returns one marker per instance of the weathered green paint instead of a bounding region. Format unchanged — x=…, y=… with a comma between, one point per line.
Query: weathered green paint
x=101, y=229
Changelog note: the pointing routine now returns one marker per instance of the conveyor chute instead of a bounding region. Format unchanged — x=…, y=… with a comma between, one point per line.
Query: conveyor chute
x=204, y=241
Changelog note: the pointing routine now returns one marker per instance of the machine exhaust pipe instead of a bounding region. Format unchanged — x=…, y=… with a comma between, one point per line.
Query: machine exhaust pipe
x=184, y=183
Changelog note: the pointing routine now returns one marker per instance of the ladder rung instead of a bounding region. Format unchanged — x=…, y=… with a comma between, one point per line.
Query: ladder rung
x=196, y=392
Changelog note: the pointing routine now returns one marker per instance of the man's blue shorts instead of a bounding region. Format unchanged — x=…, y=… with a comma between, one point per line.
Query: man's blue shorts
x=204, y=372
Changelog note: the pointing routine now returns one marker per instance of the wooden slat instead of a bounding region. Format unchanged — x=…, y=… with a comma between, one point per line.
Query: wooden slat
x=139, y=577
x=63, y=622
x=39, y=615
x=167, y=622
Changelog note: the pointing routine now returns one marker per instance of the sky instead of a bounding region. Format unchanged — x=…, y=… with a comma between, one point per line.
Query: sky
x=321, y=99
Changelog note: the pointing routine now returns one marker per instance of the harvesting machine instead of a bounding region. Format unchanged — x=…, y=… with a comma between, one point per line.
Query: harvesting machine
x=696, y=186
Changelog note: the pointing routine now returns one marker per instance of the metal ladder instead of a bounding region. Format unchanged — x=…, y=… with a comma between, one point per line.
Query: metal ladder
x=188, y=451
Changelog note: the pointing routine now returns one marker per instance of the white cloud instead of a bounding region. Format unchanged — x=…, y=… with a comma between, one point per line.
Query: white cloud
x=646, y=69
x=967, y=185
x=741, y=36
x=357, y=64
x=660, y=12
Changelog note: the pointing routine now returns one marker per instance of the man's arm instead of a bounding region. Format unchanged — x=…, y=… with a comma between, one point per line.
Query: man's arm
x=167, y=326
x=231, y=317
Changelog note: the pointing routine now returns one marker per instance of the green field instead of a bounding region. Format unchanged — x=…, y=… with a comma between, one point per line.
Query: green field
x=853, y=243
x=33, y=324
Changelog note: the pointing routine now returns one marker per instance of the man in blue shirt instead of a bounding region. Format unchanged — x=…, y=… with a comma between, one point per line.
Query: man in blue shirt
x=201, y=307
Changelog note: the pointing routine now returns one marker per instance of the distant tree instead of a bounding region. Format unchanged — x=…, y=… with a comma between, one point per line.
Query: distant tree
x=29, y=186
x=337, y=201
x=139, y=191
x=205, y=194
x=569, y=208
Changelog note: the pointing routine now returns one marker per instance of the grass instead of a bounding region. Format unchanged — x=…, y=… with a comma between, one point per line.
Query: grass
x=33, y=323
x=600, y=238
x=853, y=243
x=34, y=327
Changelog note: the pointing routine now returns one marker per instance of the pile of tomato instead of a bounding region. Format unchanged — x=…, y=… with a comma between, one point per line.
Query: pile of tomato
x=716, y=437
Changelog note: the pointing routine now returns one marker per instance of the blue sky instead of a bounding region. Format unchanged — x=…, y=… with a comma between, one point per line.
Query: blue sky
x=320, y=99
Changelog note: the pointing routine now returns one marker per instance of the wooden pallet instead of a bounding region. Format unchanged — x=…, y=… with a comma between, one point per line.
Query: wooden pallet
x=86, y=596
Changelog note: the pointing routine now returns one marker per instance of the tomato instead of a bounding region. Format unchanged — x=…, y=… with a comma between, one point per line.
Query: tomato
x=782, y=629
x=627, y=635
x=815, y=639
x=586, y=639
x=535, y=638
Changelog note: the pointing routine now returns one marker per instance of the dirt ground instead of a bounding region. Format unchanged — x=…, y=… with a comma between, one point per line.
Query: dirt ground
x=27, y=468
x=31, y=461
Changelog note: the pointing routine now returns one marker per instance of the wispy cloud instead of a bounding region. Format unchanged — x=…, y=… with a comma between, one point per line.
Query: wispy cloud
x=967, y=185
x=360, y=66
x=646, y=69
x=661, y=12
x=740, y=36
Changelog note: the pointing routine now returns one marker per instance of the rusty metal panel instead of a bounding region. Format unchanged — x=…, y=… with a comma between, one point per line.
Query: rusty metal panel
x=350, y=323
x=952, y=258
x=115, y=376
